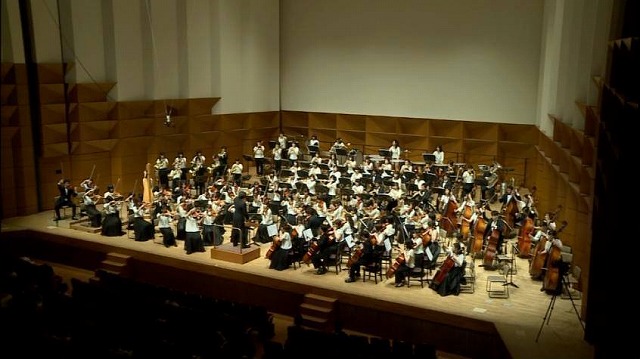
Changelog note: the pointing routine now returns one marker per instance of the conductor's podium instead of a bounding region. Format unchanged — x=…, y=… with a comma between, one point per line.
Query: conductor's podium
x=235, y=254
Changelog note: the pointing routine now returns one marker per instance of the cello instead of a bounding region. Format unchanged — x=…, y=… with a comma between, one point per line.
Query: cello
x=442, y=272
x=277, y=241
x=491, y=249
x=394, y=267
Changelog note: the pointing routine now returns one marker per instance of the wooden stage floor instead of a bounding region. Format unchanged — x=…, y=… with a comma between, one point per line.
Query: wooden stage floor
x=518, y=318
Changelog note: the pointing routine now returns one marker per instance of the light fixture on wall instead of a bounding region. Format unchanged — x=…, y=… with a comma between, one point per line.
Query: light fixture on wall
x=168, y=111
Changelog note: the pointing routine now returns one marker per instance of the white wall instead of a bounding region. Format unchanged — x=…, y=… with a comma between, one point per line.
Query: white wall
x=464, y=59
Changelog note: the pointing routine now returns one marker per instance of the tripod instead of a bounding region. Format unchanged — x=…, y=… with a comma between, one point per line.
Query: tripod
x=513, y=251
x=547, y=316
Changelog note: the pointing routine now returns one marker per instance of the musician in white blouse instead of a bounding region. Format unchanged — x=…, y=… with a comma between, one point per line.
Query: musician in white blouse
x=439, y=154
x=293, y=152
x=258, y=156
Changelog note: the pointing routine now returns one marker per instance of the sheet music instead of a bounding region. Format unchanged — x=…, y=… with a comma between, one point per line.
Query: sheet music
x=349, y=240
x=272, y=230
x=429, y=254
x=387, y=244
x=307, y=234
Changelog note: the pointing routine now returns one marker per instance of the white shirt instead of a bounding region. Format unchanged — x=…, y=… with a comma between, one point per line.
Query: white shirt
x=164, y=220
x=258, y=151
x=286, y=241
x=467, y=177
x=439, y=157
x=395, y=152
x=191, y=225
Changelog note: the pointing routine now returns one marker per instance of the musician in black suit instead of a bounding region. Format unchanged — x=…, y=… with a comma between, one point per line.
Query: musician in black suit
x=66, y=198
x=327, y=245
x=240, y=216
x=314, y=222
x=510, y=195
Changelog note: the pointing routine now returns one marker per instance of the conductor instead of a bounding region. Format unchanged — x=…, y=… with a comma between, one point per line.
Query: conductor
x=240, y=216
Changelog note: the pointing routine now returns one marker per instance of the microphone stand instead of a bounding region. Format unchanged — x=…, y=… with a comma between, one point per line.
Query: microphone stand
x=513, y=250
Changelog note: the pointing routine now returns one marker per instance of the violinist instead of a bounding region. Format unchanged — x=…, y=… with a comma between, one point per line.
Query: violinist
x=371, y=253
x=407, y=266
x=455, y=275
x=267, y=220
x=193, y=239
x=67, y=193
x=143, y=229
x=112, y=224
x=164, y=224
x=90, y=199
x=208, y=217
x=280, y=257
x=327, y=245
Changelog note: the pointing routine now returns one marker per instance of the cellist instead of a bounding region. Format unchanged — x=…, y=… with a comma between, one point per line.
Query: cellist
x=495, y=223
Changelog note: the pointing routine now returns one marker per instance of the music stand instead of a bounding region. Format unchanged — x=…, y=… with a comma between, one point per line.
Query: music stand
x=284, y=185
x=247, y=158
x=408, y=176
x=301, y=186
x=313, y=149
x=341, y=151
x=285, y=173
x=203, y=203
x=384, y=152
x=322, y=176
x=481, y=182
x=412, y=187
x=303, y=174
x=428, y=178
x=323, y=166
x=344, y=181
x=437, y=190
x=429, y=157
x=272, y=144
x=510, y=282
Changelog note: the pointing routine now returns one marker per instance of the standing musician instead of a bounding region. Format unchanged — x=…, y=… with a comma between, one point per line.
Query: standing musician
x=315, y=143
x=468, y=179
x=164, y=224
x=223, y=157
x=67, y=193
x=439, y=153
x=181, y=162
x=455, y=275
x=395, y=152
x=371, y=252
x=240, y=233
x=293, y=152
x=280, y=257
x=407, y=266
x=282, y=141
x=193, y=239
x=495, y=223
x=327, y=245
x=258, y=156
x=174, y=176
x=162, y=166
x=198, y=171
x=236, y=171
x=276, y=152
x=208, y=217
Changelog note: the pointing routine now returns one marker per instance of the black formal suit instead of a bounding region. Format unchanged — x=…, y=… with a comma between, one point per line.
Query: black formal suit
x=240, y=216
x=500, y=227
x=65, y=199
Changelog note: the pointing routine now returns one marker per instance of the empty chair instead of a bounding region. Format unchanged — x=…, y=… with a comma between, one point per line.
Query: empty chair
x=374, y=269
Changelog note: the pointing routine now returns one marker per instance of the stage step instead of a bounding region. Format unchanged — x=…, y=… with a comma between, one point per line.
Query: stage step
x=116, y=263
x=85, y=226
x=118, y=257
x=318, y=312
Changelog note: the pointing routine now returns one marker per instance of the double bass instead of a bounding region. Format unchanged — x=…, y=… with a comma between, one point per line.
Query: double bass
x=449, y=219
x=524, y=238
x=465, y=225
x=554, y=260
x=492, y=247
x=478, y=234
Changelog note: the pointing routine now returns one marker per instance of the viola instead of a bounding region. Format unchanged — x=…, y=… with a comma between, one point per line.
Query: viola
x=277, y=241
x=393, y=268
x=442, y=272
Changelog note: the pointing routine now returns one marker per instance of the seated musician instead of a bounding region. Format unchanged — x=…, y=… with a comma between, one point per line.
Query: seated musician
x=327, y=245
x=372, y=250
x=409, y=263
x=280, y=257
x=67, y=192
x=433, y=248
x=446, y=197
x=455, y=276
x=112, y=224
x=395, y=193
x=314, y=169
x=90, y=199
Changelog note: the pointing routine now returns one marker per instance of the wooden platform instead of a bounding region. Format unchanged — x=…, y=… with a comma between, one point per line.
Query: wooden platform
x=228, y=253
x=84, y=225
